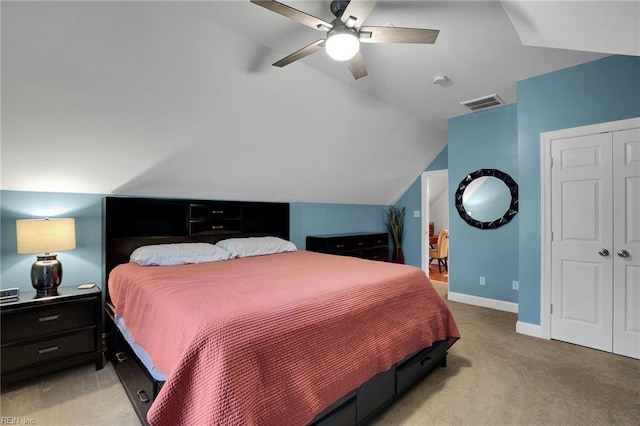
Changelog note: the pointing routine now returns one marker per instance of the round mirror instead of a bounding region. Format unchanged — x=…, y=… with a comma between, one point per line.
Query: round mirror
x=487, y=198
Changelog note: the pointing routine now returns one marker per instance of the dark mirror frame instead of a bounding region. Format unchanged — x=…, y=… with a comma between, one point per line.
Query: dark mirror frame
x=509, y=214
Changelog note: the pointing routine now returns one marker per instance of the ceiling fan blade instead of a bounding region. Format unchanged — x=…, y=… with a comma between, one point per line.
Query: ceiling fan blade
x=397, y=35
x=356, y=66
x=356, y=12
x=299, y=54
x=295, y=14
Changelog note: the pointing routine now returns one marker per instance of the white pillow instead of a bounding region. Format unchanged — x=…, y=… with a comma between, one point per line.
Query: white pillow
x=178, y=254
x=256, y=246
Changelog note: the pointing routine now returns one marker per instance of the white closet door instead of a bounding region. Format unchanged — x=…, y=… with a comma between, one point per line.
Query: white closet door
x=582, y=251
x=626, y=242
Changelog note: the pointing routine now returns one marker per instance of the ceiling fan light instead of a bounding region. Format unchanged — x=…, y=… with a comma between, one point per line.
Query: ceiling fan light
x=342, y=45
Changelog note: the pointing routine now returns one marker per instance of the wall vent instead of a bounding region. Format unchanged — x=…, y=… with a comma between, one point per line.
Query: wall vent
x=483, y=102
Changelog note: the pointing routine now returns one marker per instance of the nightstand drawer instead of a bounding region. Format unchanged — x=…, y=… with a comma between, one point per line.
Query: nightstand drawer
x=36, y=352
x=33, y=322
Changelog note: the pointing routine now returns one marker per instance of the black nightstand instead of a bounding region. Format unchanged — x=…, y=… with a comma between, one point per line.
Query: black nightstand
x=45, y=334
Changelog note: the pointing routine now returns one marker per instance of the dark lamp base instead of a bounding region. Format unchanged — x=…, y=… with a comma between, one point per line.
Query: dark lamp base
x=46, y=275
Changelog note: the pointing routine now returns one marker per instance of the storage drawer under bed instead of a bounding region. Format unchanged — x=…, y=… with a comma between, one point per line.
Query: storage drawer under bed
x=140, y=387
x=414, y=368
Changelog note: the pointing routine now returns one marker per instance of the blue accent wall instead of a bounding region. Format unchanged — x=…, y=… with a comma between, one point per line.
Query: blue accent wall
x=320, y=219
x=84, y=264
x=412, y=200
x=596, y=92
x=483, y=140
x=508, y=138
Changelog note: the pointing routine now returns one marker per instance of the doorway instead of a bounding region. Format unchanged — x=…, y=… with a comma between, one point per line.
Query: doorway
x=435, y=210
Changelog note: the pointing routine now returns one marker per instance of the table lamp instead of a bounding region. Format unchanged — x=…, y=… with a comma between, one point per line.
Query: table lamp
x=42, y=237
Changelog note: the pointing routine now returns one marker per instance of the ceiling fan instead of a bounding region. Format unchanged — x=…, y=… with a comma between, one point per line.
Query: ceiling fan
x=345, y=33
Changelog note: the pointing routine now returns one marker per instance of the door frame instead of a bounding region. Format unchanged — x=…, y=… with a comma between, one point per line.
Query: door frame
x=424, y=215
x=546, y=139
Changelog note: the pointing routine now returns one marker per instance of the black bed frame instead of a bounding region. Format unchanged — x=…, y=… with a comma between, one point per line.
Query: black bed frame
x=133, y=222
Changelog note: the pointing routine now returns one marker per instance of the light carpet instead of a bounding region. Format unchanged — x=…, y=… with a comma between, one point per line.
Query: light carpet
x=494, y=376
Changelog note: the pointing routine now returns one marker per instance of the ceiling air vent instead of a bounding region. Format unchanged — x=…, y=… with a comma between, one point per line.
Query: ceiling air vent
x=483, y=102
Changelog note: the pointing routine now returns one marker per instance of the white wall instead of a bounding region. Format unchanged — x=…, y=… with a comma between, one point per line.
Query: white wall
x=439, y=211
x=151, y=98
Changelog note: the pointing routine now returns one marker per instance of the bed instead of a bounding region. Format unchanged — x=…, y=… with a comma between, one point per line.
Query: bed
x=292, y=337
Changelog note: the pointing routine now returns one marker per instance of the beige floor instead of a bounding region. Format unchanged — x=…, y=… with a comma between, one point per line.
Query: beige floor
x=494, y=377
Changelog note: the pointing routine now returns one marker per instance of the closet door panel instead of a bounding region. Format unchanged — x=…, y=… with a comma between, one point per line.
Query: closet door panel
x=626, y=298
x=581, y=288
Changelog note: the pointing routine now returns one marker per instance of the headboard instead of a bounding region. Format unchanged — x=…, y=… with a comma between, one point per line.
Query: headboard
x=130, y=223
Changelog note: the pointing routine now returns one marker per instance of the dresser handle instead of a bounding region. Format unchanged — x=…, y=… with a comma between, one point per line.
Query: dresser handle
x=49, y=318
x=360, y=244
x=217, y=227
x=49, y=349
x=339, y=245
x=144, y=398
x=217, y=211
x=121, y=357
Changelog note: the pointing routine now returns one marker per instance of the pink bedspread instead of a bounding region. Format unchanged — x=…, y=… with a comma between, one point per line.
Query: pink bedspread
x=273, y=340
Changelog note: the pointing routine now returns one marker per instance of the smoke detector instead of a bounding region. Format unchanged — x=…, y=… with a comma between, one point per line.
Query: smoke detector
x=439, y=79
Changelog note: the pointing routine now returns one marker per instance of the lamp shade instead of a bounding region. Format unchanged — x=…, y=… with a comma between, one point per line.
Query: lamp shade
x=45, y=235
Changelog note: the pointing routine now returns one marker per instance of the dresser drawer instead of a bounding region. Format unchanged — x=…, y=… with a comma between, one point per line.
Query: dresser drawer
x=379, y=240
x=359, y=242
x=380, y=254
x=35, y=352
x=337, y=245
x=34, y=322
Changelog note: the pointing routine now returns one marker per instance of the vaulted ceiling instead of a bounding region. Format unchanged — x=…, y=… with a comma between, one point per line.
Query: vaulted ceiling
x=180, y=98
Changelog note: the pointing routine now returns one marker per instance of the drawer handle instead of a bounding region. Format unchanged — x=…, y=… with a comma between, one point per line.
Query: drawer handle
x=49, y=349
x=217, y=227
x=49, y=318
x=217, y=211
x=339, y=245
x=425, y=361
x=121, y=357
x=144, y=398
x=360, y=244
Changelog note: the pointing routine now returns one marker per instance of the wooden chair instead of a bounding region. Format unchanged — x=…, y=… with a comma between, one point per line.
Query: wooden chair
x=441, y=252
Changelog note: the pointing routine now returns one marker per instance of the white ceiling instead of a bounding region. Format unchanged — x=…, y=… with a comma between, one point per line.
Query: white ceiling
x=180, y=98
x=478, y=49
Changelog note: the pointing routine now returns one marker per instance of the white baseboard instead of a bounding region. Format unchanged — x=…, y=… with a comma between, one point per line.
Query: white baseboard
x=529, y=329
x=500, y=305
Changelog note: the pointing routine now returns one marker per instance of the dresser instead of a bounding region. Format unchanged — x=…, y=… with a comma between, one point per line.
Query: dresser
x=373, y=246
x=46, y=334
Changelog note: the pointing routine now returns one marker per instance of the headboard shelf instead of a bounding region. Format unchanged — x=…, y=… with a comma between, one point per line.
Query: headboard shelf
x=131, y=222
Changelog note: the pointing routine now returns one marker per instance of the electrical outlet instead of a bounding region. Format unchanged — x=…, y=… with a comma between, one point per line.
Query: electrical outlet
x=483, y=281
x=515, y=285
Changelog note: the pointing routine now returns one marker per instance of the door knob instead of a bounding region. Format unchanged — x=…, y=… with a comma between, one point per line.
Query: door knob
x=623, y=253
x=603, y=252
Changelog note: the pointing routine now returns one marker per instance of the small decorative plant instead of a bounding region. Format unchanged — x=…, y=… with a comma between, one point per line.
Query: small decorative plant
x=394, y=219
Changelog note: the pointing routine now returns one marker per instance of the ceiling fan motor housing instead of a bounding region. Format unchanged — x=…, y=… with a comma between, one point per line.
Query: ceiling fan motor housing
x=338, y=6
